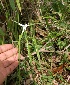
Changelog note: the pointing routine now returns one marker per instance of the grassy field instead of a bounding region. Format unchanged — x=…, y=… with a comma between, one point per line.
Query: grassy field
x=41, y=31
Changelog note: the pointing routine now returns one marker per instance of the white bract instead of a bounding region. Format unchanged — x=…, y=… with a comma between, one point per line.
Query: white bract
x=23, y=26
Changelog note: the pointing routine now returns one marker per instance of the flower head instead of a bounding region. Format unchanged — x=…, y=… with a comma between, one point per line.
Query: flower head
x=23, y=26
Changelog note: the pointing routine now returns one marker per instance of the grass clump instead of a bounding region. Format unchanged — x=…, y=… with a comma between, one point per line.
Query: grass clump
x=41, y=30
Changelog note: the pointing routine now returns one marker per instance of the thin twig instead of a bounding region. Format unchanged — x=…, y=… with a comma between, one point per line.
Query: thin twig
x=47, y=51
x=43, y=48
x=66, y=47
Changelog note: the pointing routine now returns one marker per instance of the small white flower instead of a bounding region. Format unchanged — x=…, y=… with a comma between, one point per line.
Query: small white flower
x=23, y=26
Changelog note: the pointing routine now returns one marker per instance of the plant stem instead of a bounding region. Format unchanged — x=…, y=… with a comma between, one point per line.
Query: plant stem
x=19, y=42
x=28, y=49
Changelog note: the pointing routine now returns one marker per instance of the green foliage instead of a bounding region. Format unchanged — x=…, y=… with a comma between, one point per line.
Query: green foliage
x=18, y=4
x=1, y=32
x=47, y=16
x=12, y=4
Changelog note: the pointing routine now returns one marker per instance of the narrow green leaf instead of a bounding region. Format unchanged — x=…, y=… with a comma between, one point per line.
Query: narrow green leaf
x=55, y=7
x=18, y=4
x=1, y=32
x=12, y=4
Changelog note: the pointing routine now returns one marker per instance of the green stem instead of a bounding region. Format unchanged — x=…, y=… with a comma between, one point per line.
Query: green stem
x=19, y=42
x=28, y=49
x=36, y=48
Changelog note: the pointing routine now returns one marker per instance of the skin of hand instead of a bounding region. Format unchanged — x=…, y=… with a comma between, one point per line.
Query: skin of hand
x=8, y=60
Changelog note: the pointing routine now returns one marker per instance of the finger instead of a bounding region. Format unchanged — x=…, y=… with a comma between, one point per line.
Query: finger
x=3, y=70
x=8, y=54
x=11, y=67
x=11, y=52
x=2, y=56
x=1, y=79
x=5, y=47
x=10, y=60
x=21, y=57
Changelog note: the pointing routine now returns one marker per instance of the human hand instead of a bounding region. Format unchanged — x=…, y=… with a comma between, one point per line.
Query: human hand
x=8, y=60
